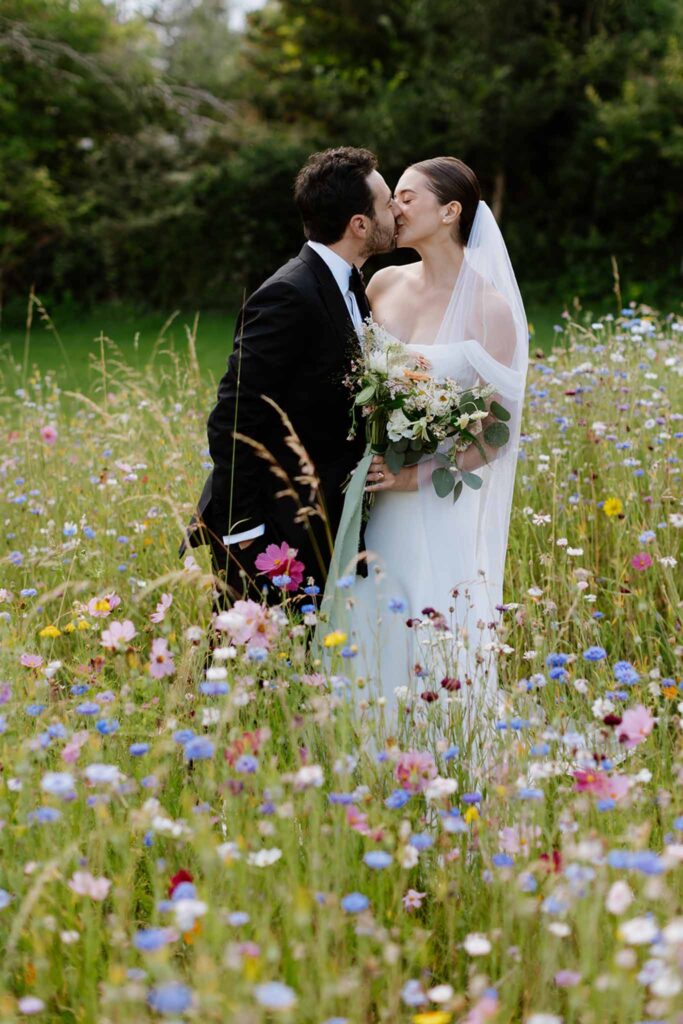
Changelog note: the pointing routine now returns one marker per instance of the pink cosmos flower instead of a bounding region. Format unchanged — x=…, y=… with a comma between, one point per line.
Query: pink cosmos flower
x=412, y=899
x=31, y=660
x=280, y=560
x=49, y=434
x=72, y=750
x=567, y=979
x=601, y=784
x=641, y=561
x=101, y=607
x=161, y=660
x=118, y=636
x=636, y=725
x=161, y=608
x=414, y=770
x=248, y=622
x=484, y=1009
x=85, y=884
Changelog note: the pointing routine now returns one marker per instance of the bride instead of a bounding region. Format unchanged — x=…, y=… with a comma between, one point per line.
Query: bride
x=423, y=620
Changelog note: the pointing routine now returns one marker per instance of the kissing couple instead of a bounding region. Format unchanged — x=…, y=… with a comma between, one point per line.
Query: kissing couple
x=279, y=434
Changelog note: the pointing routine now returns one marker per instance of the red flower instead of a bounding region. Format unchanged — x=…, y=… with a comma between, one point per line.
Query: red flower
x=181, y=876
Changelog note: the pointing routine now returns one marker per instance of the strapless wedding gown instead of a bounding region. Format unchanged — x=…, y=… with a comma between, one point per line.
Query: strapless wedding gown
x=411, y=577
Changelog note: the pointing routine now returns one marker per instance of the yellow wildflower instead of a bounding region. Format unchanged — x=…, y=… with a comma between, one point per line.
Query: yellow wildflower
x=471, y=814
x=335, y=639
x=70, y=627
x=50, y=631
x=433, y=1017
x=83, y=624
x=613, y=507
x=670, y=692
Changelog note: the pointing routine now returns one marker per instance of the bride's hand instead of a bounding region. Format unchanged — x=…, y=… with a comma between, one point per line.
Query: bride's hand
x=380, y=477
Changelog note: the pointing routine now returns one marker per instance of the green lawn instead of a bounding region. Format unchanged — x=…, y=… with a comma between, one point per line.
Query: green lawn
x=70, y=342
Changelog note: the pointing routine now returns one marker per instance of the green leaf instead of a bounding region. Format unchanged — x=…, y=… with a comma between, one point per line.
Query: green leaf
x=364, y=396
x=394, y=460
x=497, y=434
x=443, y=482
x=416, y=444
x=412, y=458
x=400, y=446
x=477, y=444
x=472, y=480
x=500, y=411
x=457, y=491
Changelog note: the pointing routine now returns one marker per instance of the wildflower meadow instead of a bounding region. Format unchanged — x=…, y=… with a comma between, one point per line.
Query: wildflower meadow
x=234, y=834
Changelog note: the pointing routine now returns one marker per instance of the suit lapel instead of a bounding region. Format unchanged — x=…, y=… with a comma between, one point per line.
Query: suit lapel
x=333, y=299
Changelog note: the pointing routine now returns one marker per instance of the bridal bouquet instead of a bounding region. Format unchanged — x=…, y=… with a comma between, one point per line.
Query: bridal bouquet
x=408, y=413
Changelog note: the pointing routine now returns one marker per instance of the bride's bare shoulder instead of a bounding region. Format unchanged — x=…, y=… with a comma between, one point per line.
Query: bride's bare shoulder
x=385, y=280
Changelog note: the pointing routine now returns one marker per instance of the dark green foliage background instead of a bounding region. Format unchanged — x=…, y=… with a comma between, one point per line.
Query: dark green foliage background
x=151, y=161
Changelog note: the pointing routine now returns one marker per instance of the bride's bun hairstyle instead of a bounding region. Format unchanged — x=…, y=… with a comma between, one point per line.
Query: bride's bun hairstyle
x=453, y=181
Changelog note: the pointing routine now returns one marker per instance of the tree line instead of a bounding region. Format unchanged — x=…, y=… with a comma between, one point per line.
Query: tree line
x=151, y=159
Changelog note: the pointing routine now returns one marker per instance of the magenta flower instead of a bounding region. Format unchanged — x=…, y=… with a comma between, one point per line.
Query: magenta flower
x=161, y=660
x=636, y=725
x=280, y=560
x=49, y=434
x=641, y=561
x=100, y=607
x=414, y=770
x=118, y=636
x=31, y=660
x=162, y=607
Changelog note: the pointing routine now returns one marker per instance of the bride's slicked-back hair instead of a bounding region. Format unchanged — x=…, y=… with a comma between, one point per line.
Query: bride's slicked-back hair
x=451, y=180
x=331, y=188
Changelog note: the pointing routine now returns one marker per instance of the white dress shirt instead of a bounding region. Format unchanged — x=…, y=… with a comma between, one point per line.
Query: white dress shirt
x=341, y=271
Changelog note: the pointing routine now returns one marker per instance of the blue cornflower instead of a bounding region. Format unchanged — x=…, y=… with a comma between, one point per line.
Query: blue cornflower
x=377, y=859
x=311, y=591
x=399, y=798
x=88, y=532
x=421, y=841
x=138, y=749
x=247, y=763
x=556, y=660
x=15, y=557
x=595, y=654
x=349, y=651
x=282, y=580
x=307, y=608
x=606, y=804
x=35, y=709
x=397, y=604
x=528, y=793
x=198, y=749
x=44, y=815
x=647, y=536
x=107, y=726
x=214, y=688
x=88, y=708
x=355, y=902
x=625, y=673
x=257, y=654
x=345, y=582
x=342, y=798
x=5, y=899
x=170, y=997
x=502, y=860
x=150, y=939
x=28, y=592
x=183, y=735
x=471, y=798
x=184, y=891
x=451, y=753
x=69, y=530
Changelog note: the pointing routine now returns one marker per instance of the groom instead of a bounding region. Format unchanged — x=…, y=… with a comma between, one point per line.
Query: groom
x=294, y=342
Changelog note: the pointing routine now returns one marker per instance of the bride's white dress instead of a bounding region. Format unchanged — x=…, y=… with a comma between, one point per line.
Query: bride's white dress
x=412, y=575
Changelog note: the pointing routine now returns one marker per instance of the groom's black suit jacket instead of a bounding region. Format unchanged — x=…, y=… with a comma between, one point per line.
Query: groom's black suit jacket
x=294, y=341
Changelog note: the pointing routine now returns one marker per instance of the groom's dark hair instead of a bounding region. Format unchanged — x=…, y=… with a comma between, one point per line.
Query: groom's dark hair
x=331, y=188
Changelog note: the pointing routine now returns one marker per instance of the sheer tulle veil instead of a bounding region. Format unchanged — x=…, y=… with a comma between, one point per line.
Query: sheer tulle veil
x=485, y=316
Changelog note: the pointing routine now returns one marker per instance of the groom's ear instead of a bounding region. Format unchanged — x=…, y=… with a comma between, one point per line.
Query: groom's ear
x=358, y=226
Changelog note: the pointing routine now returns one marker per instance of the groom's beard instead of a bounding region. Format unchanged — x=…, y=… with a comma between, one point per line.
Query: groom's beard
x=380, y=239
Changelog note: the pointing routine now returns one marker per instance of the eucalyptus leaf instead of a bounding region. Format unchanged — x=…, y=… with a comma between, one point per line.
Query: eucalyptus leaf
x=472, y=480
x=416, y=444
x=457, y=491
x=443, y=482
x=400, y=446
x=500, y=412
x=394, y=460
x=497, y=434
